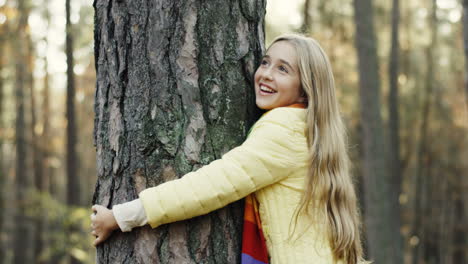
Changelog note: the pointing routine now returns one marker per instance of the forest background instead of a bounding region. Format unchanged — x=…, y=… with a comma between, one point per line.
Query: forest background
x=44, y=203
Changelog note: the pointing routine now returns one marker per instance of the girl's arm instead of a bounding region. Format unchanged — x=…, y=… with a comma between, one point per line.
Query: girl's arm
x=267, y=156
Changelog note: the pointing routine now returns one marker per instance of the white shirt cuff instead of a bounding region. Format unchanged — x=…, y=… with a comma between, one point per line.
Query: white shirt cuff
x=130, y=215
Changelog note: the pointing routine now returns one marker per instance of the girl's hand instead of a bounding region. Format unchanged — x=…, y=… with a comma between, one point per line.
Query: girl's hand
x=103, y=223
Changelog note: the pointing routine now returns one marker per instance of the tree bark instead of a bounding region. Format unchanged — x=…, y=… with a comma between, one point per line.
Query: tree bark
x=22, y=233
x=174, y=92
x=379, y=202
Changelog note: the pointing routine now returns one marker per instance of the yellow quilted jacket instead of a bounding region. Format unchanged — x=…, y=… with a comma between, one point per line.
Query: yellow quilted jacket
x=272, y=162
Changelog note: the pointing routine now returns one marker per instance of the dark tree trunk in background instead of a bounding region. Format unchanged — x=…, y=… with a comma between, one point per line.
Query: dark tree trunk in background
x=73, y=184
x=3, y=177
x=465, y=38
x=174, y=92
x=307, y=18
x=461, y=209
x=394, y=124
x=423, y=170
x=36, y=154
x=45, y=148
x=21, y=234
x=395, y=173
x=379, y=203
x=45, y=136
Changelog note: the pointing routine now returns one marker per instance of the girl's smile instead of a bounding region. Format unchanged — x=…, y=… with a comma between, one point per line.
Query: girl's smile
x=277, y=80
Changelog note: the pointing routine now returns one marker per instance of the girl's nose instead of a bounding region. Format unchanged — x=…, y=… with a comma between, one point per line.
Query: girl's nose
x=267, y=74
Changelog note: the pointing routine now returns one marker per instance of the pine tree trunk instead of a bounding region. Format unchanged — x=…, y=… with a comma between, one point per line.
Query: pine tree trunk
x=174, y=92
x=423, y=169
x=44, y=138
x=3, y=177
x=36, y=155
x=307, y=18
x=395, y=173
x=465, y=38
x=73, y=184
x=21, y=235
x=379, y=202
x=394, y=146
x=459, y=229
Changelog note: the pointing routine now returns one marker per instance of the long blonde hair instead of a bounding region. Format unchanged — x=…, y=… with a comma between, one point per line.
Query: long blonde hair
x=328, y=181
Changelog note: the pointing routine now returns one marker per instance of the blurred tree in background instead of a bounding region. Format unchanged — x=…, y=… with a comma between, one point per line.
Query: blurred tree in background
x=422, y=106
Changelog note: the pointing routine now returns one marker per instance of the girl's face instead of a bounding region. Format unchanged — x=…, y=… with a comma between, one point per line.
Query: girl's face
x=277, y=80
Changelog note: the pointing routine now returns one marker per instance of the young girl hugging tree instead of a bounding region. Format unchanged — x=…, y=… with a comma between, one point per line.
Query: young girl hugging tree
x=293, y=167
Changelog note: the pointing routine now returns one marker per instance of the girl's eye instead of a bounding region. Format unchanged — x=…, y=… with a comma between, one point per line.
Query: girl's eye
x=283, y=69
x=264, y=62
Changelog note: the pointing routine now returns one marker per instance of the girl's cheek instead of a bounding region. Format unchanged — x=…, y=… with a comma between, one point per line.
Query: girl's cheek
x=257, y=72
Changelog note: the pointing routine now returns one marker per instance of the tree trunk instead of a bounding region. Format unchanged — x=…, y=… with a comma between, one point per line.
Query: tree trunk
x=21, y=235
x=307, y=18
x=44, y=147
x=465, y=38
x=422, y=193
x=395, y=173
x=73, y=185
x=174, y=92
x=379, y=202
x=37, y=170
x=3, y=177
x=73, y=190
x=459, y=230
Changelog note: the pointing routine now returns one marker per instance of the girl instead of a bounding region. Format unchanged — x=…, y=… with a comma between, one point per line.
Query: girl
x=294, y=162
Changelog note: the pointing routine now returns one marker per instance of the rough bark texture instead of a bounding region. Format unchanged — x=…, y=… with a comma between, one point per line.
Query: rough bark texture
x=174, y=92
x=21, y=234
x=379, y=203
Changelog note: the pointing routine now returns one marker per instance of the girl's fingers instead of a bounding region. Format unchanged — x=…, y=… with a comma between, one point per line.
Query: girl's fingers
x=100, y=238
x=97, y=241
x=96, y=208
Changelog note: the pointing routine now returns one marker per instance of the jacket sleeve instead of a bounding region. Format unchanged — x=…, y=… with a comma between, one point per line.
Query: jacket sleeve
x=266, y=157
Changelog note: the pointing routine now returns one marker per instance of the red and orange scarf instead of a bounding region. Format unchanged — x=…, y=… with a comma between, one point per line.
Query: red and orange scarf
x=254, y=249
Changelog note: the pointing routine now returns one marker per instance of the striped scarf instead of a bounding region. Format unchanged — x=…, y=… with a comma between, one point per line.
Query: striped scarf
x=254, y=250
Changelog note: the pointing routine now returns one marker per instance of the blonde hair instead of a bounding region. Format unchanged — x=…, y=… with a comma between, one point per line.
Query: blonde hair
x=328, y=181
